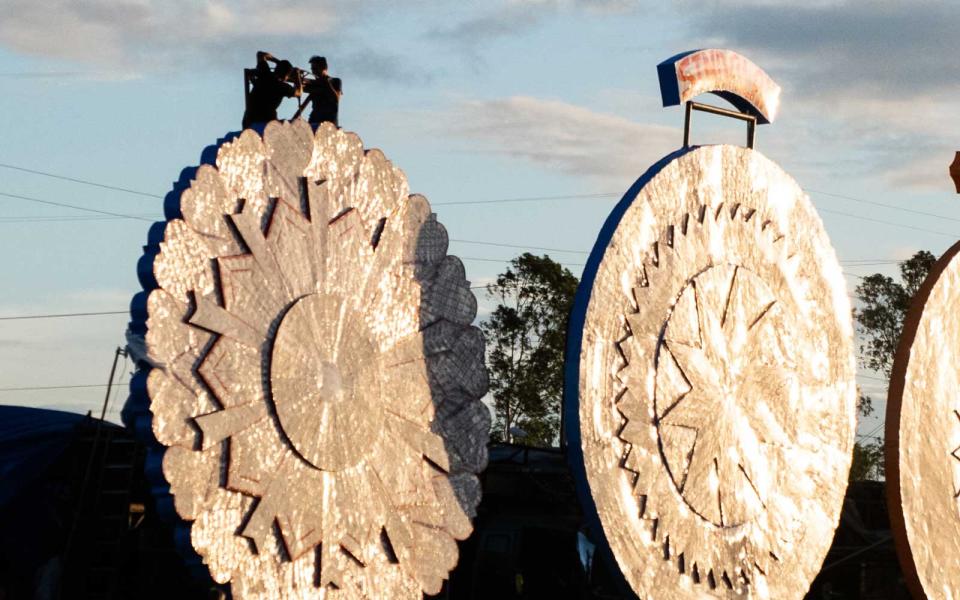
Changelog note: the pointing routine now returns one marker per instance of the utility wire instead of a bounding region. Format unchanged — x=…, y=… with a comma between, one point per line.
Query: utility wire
x=108, y=215
x=499, y=245
x=506, y=260
x=149, y=195
x=64, y=218
x=495, y=201
x=873, y=432
x=883, y=204
x=114, y=215
x=52, y=387
x=479, y=287
x=853, y=263
x=81, y=181
x=530, y=199
x=509, y=200
x=103, y=385
x=891, y=223
x=62, y=315
x=74, y=207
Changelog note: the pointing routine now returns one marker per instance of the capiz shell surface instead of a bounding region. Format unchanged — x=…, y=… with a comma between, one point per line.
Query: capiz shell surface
x=316, y=380
x=710, y=381
x=923, y=436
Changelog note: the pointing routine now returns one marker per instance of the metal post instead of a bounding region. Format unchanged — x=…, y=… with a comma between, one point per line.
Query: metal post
x=723, y=112
x=93, y=452
x=113, y=370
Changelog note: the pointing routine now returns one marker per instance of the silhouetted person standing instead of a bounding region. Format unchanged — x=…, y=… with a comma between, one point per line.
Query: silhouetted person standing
x=323, y=93
x=268, y=89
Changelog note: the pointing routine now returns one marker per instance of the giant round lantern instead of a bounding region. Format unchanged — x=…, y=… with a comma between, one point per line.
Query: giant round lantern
x=710, y=394
x=923, y=436
x=314, y=378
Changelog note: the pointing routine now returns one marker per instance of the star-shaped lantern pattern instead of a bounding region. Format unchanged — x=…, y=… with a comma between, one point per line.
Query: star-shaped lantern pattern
x=710, y=347
x=315, y=377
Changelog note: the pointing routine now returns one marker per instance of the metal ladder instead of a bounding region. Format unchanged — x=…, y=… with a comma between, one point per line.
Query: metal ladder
x=110, y=516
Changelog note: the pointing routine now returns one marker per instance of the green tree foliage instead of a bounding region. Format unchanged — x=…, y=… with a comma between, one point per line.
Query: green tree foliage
x=526, y=335
x=867, y=462
x=867, y=454
x=884, y=305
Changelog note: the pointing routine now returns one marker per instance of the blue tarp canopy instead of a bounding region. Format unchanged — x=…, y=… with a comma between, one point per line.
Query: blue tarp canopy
x=31, y=439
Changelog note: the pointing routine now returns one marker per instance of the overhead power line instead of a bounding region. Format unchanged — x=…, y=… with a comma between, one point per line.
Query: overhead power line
x=873, y=432
x=474, y=258
x=124, y=312
x=883, y=204
x=499, y=245
x=506, y=260
x=62, y=315
x=64, y=218
x=73, y=206
x=493, y=201
x=864, y=262
x=113, y=215
x=52, y=387
x=529, y=199
x=147, y=219
x=891, y=223
x=81, y=181
x=117, y=188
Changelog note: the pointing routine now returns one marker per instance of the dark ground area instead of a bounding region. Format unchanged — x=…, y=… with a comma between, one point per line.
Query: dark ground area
x=84, y=516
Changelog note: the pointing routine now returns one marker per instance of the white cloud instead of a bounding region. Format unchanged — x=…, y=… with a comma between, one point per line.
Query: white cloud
x=121, y=39
x=155, y=34
x=514, y=17
x=96, y=31
x=564, y=137
x=597, y=5
x=878, y=81
x=927, y=172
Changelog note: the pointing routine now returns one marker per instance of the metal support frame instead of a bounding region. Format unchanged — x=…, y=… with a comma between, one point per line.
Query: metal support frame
x=97, y=435
x=723, y=112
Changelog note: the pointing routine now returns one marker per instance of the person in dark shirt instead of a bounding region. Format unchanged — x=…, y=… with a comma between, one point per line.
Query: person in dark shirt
x=268, y=88
x=323, y=94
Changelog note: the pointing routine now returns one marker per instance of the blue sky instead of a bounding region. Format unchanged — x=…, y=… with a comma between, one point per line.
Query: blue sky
x=474, y=101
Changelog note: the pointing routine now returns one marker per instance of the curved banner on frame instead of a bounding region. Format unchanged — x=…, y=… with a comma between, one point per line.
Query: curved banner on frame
x=725, y=73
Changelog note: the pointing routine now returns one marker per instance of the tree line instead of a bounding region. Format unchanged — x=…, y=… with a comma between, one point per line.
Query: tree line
x=526, y=337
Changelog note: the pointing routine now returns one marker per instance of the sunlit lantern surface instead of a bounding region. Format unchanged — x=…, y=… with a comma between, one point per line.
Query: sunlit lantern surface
x=315, y=379
x=710, y=394
x=725, y=73
x=923, y=436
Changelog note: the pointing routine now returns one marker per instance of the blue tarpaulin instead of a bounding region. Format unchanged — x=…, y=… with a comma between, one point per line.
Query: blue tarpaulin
x=31, y=439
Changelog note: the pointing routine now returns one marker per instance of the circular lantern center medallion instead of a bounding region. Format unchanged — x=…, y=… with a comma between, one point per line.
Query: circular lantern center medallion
x=324, y=384
x=713, y=339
